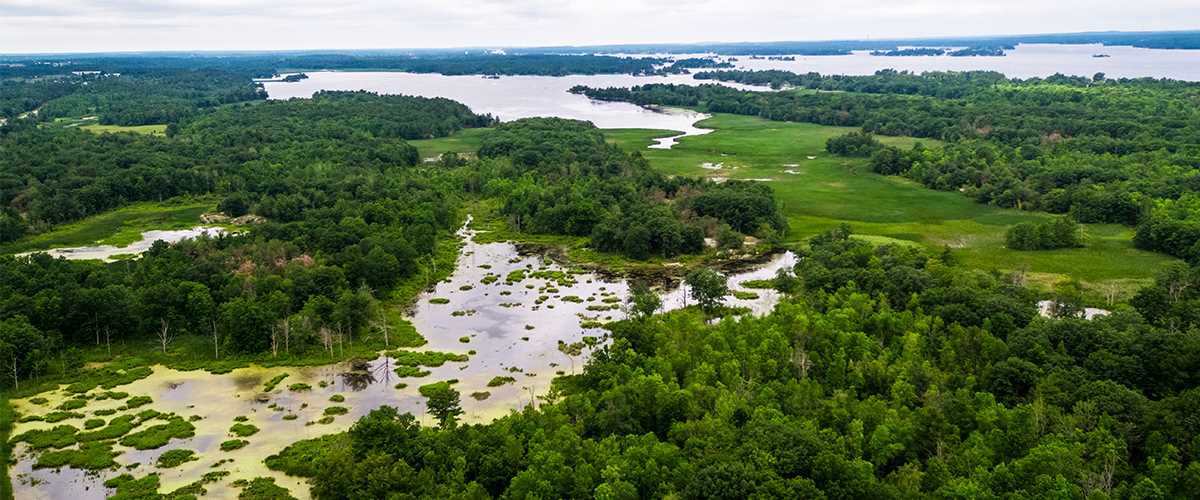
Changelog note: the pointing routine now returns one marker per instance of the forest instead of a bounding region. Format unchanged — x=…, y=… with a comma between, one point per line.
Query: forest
x=351, y=212
x=889, y=373
x=885, y=371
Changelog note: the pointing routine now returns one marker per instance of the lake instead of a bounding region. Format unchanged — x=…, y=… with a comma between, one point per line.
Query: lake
x=513, y=97
x=1025, y=61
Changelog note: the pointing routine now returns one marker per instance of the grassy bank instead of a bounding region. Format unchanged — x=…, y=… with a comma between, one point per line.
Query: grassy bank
x=119, y=227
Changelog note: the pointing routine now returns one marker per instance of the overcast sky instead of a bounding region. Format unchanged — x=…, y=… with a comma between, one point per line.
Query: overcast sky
x=134, y=25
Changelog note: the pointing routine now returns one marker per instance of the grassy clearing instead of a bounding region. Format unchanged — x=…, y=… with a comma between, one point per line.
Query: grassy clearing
x=818, y=191
x=119, y=227
x=463, y=141
x=96, y=128
x=92, y=124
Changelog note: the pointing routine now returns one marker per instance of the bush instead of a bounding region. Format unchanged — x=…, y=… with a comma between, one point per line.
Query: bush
x=1062, y=232
x=857, y=143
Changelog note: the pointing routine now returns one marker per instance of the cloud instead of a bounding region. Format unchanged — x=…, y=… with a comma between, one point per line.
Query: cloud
x=97, y=25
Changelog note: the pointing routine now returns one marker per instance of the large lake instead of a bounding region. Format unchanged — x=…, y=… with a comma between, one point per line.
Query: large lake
x=514, y=97
x=511, y=97
x=1025, y=61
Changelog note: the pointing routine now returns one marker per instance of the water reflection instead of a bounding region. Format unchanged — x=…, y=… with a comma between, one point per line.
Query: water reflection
x=508, y=311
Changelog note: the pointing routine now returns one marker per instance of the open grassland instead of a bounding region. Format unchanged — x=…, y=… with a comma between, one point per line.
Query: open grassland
x=464, y=141
x=158, y=129
x=92, y=124
x=119, y=227
x=819, y=191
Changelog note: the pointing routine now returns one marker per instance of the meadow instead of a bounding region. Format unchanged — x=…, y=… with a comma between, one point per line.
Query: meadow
x=818, y=191
x=118, y=227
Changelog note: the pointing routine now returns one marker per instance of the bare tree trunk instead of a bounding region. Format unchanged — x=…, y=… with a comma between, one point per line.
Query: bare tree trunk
x=384, y=326
x=216, y=339
x=108, y=340
x=274, y=341
x=16, y=379
x=287, y=336
x=164, y=334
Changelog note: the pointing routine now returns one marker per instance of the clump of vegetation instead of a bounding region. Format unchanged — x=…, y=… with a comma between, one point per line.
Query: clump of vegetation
x=481, y=395
x=464, y=339
x=299, y=387
x=241, y=418
x=243, y=430
x=111, y=395
x=39, y=401
x=290, y=416
x=411, y=371
x=270, y=384
x=300, y=459
x=89, y=456
x=425, y=358
x=159, y=435
x=128, y=487
x=109, y=378
x=93, y=423
x=117, y=427
x=744, y=295
x=59, y=436
x=337, y=398
x=233, y=444
x=176, y=457
x=500, y=380
x=264, y=488
x=59, y=416
x=1062, y=232
x=758, y=284
x=138, y=401
x=73, y=404
x=439, y=300
x=336, y=410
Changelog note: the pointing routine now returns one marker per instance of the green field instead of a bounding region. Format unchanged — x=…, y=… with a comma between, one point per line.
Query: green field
x=826, y=190
x=464, y=141
x=118, y=227
x=92, y=124
x=818, y=191
x=137, y=129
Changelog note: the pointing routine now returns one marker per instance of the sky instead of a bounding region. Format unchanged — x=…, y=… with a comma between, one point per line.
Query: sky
x=33, y=26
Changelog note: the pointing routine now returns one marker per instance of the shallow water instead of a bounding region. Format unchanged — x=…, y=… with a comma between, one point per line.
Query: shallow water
x=108, y=252
x=511, y=334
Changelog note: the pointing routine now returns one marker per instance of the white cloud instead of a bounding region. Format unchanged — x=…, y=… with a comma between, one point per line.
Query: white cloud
x=82, y=25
